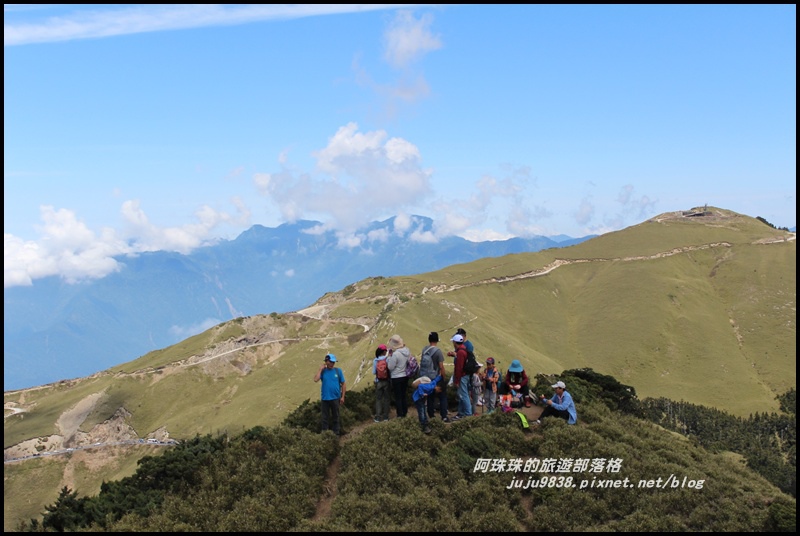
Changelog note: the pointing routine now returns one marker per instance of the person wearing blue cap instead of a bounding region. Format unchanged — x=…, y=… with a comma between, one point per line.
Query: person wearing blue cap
x=517, y=380
x=333, y=389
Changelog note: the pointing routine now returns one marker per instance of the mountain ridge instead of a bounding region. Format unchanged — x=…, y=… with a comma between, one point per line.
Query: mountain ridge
x=54, y=330
x=698, y=310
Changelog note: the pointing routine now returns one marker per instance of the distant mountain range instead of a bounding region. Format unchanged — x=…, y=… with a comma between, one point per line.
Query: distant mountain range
x=54, y=330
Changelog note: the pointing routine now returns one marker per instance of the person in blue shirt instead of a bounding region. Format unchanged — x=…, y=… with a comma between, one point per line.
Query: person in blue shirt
x=424, y=387
x=333, y=389
x=467, y=343
x=561, y=405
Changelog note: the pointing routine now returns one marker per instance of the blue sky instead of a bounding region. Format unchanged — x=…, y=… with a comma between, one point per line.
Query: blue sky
x=131, y=128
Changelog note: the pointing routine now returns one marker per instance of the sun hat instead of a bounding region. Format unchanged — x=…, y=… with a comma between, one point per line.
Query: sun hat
x=395, y=342
x=331, y=358
x=515, y=366
x=457, y=338
x=560, y=385
x=421, y=379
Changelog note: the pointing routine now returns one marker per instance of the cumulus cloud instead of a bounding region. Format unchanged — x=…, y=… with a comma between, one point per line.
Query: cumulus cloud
x=183, y=239
x=359, y=177
x=68, y=248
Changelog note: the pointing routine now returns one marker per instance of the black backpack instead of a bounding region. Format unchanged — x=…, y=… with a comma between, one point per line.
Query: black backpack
x=471, y=364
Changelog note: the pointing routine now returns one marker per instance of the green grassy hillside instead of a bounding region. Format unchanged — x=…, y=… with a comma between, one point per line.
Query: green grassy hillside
x=610, y=472
x=695, y=309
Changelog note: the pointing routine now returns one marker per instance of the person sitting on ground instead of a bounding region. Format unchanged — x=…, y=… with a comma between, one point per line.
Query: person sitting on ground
x=424, y=386
x=561, y=405
x=517, y=380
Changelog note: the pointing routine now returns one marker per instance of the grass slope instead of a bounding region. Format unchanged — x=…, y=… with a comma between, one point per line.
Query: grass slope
x=684, y=308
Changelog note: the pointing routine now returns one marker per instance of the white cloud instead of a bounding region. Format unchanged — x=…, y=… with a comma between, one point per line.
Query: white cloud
x=520, y=221
x=424, y=237
x=407, y=39
x=183, y=239
x=69, y=249
x=402, y=222
x=639, y=208
x=585, y=211
x=184, y=332
x=348, y=241
x=107, y=22
x=378, y=235
x=359, y=177
x=484, y=235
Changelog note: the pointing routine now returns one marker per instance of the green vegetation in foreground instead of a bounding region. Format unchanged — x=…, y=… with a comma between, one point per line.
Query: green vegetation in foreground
x=391, y=477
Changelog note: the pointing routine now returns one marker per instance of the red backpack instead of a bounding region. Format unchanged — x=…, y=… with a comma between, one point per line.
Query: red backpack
x=382, y=370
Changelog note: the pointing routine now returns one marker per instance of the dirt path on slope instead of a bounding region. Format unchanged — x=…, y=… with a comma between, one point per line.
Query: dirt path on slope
x=332, y=474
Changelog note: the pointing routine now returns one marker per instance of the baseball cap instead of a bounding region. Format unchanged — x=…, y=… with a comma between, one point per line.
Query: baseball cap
x=457, y=338
x=490, y=361
x=559, y=384
x=381, y=347
x=331, y=358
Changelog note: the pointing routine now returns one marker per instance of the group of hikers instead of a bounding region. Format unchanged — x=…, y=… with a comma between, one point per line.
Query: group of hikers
x=476, y=384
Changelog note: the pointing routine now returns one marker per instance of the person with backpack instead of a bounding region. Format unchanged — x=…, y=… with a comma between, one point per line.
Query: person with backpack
x=333, y=389
x=399, y=355
x=383, y=384
x=517, y=380
x=431, y=364
x=462, y=378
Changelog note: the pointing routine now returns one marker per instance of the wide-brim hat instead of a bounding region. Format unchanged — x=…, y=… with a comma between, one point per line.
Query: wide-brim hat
x=395, y=342
x=515, y=366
